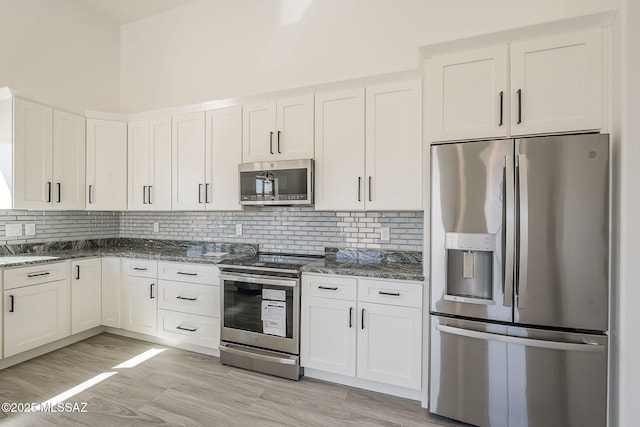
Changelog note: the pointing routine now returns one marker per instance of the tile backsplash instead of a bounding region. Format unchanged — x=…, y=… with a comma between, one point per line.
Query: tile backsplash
x=278, y=229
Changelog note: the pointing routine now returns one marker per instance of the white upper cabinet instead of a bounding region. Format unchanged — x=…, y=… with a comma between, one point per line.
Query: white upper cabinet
x=467, y=95
x=394, y=146
x=49, y=157
x=556, y=84
x=149, y=146
x=373, y=167
x=278, y=130
x=188, y=161
x=106, y=165
x=536, y=86
x=223, y=155
x=339, y=161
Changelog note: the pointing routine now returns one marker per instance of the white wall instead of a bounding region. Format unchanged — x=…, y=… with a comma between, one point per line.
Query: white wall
x=56, y=51
x=213, y=49
x=628, y=352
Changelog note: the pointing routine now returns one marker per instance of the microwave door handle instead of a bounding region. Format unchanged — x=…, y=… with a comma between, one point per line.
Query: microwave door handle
x=523, y=232
x=259, y=280
x=509, y=230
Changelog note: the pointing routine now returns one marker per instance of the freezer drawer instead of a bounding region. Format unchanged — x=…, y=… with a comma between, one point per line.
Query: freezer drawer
x=494, y=375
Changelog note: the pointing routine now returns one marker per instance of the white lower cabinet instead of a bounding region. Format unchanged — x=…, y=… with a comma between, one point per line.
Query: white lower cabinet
x=40, y=290
x=111, y=292
x=365, y=328
x=189, y=304
x=139, y=300
x=86, y=294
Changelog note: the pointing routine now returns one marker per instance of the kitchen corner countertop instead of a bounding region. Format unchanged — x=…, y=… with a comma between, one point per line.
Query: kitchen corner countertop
x=397, y=265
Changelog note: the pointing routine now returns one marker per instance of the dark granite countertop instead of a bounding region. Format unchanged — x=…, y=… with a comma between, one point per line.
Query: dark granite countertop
x=161, y=250
x=398, y=265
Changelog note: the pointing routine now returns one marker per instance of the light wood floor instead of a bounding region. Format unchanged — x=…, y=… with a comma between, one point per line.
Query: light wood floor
x=180, y=388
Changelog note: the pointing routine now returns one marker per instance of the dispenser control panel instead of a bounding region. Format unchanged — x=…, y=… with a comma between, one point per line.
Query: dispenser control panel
x=471, y=242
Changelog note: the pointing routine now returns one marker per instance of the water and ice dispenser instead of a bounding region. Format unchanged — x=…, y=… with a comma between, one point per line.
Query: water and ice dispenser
x=470, y=267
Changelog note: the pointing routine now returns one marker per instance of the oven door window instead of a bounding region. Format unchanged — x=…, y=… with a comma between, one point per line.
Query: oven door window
x=258, y=308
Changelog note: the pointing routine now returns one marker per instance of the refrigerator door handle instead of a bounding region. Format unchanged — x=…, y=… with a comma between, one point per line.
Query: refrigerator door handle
x=509, y=228
x=523, y=232
x=529, y=342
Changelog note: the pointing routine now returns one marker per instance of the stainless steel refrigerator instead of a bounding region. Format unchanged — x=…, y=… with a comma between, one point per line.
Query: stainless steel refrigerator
x=520, y=281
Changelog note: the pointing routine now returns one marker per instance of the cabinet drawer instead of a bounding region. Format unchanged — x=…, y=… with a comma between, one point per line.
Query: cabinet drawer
x=183, y=328
x=35, y=274
x=189, y=297
x=140, y=268
x=192, y=273
x=327, y=286
x=403, y=293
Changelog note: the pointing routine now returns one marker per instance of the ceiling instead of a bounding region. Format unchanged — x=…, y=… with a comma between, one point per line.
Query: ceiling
x=125, y=11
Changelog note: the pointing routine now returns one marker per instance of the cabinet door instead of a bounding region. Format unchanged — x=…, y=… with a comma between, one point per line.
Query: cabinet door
x=224, y=154
x=111, y=292
x=188, y=161
x=339, y=160
x=35, y=315
x=106, y=165
x=139, y=146
x=394, y=146
x=294, y=128
x=33, y=167
x=556, y=84
x=86, y=294
x=390, y=344
x=467, y=95
x=259, y=132
x=140, y=305
x=69, y=161
x=328, y=335
x=159, y=193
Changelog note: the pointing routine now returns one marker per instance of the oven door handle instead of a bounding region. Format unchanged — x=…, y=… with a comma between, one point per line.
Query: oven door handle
x=259, y=280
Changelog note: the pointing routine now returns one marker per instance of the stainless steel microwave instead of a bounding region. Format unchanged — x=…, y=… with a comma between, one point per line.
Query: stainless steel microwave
x=283, y=182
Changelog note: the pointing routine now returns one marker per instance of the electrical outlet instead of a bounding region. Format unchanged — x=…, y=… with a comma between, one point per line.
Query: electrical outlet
x=384, y=234
x=238, y=229
x=156, y=227
x=29, y=229
x=13, y=230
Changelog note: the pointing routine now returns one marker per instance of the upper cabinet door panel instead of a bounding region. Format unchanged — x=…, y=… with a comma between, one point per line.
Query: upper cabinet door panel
x=259, y=132
x=224, y=153
x=159, y=193
x=33, y=167
x=294, y=137
x=467, y=95
x=139, y=165
x=69, y=161
x=106, y=165
x=556, y=84
x=339, y=161
x=394, y=146
x=188, y=153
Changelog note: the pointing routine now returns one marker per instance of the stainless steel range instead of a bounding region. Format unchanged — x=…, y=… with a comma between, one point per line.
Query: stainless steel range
x=260, y=328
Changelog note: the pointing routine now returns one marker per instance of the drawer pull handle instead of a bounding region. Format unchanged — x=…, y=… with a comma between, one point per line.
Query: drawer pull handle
x=140, y=268
x=186, y=329
x=186, y=299
x=187, y=274
x=46, y=273
x=393, y=294
x=328, y=288
x=12, y=307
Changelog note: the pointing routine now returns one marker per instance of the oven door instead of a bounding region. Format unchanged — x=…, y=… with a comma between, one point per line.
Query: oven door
x=261, y=311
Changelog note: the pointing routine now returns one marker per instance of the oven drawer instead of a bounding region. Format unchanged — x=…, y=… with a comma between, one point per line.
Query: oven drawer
x=390, y=292
x=328, y=286
x=189, y=297
x=184, y=328
x=192, y=273
x=140, y=267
